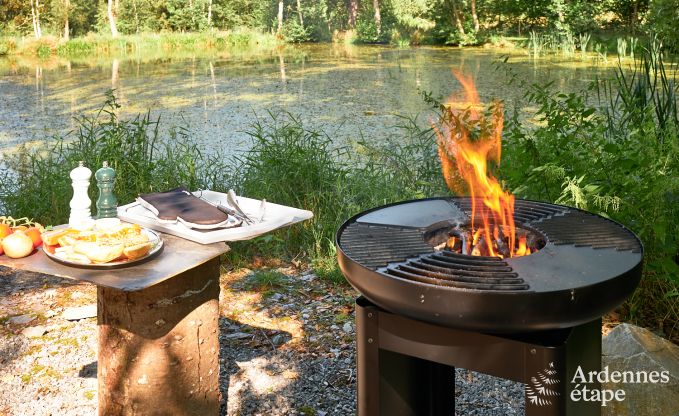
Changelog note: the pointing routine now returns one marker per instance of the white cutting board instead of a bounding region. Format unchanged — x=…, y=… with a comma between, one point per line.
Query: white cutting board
x=276, y=216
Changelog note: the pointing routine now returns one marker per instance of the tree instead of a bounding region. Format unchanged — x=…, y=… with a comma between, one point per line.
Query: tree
x=378, y=16
x=67, y=30
x=111, y=19
x=352, y=12
x=475, y=17
x=280, y=17
x=35, y=15
x=299, y=13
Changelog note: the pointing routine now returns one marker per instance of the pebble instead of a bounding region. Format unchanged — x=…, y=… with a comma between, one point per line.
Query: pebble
x=34, y=331
x=347, y=327
x=80, y=312
x=20, y=320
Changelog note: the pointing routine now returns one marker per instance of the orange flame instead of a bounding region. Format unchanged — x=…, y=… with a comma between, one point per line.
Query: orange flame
x=465, y=152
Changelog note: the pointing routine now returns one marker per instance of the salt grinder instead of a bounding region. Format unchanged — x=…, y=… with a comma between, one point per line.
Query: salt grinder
x=80, y=204
x=107, y=204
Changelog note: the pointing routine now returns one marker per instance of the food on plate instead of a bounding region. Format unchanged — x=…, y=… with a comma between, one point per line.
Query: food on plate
x=52, y=237
x=98, y=253
x=106, y=224
x=112, y=242
x=137, y=251
x=17, y=245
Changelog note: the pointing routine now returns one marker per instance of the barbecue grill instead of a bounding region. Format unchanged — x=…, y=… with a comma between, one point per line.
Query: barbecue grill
x=426, y=309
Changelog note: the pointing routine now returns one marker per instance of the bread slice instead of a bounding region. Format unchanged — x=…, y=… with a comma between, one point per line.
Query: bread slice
x=52, y=237
x=137, y=251
x=98, y=253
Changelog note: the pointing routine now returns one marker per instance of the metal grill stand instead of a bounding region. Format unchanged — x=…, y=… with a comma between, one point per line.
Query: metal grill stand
x=406, y=367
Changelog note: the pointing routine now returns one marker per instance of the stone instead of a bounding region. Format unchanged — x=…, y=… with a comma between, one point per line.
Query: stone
x=347, y=327
x=20, y=320
x=631, y=348
x=79, y=312
x=34, y=331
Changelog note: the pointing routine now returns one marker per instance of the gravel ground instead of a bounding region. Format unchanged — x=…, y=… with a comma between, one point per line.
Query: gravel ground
x=287, y=348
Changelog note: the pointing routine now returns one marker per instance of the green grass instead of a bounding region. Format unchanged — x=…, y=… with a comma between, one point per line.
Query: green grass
x=265, y=280
x=143, y=43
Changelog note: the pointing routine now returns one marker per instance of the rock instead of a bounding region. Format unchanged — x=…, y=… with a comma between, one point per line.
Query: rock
x=278, y=339
x=630, y=348
x=20, y=320
x=308, y=277
x=34, y=331
x=276, y=297
x=347, y=327
x=50, y=314
x=80, y=312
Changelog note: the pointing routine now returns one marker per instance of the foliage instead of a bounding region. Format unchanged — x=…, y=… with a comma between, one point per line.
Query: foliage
x=663, y=18
x=618, y=157
x=402, y=21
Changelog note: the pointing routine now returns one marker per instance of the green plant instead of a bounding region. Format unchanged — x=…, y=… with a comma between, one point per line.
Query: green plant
x=618, y=156
x=265, y=280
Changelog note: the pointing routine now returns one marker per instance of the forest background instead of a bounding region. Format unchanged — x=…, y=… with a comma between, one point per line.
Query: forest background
x=401, y=22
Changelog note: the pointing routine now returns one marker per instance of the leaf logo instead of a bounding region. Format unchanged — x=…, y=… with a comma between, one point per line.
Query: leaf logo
x=540, y=390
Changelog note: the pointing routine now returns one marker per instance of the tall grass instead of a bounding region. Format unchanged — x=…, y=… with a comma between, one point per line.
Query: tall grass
x=302, y=167
x=618, y=157
x=135, y=44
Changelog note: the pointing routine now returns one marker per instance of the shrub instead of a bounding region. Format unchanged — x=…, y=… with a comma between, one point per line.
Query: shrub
x=618, y=157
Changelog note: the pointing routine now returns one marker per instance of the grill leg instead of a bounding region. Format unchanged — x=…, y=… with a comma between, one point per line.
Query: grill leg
x=550, y=371
x=411, y=386
x=390, y=383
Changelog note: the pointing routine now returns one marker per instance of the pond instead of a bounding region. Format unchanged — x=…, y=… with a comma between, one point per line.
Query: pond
x=351, y=92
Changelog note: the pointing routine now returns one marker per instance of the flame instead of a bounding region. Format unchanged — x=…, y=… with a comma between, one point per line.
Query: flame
x=467, y=141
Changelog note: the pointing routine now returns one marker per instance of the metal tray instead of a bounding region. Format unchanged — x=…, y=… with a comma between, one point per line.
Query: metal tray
x=155, y=250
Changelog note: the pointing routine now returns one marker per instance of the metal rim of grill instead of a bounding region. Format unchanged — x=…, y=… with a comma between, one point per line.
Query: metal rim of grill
x=586, y=259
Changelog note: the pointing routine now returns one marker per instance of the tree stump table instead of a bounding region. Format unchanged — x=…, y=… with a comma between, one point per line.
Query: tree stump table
x=158, y=329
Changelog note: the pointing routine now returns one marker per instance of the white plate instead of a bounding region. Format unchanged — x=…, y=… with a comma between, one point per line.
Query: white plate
x=153, y=238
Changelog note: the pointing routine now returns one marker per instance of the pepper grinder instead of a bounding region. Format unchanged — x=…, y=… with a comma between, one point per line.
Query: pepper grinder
x=81, y=217
x=107, y=204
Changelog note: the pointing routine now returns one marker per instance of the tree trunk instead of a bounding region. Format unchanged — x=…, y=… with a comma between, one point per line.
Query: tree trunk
x=280, y=17
x=111, y=19
x=456, y=18
x=35, y=27
x=475, y=17
x=136, y=16
x=299, y=13
x=352, y=11
x=209, y=14
x=159, y=346
x=378, y=16
x=37, y=19
x=67, y=6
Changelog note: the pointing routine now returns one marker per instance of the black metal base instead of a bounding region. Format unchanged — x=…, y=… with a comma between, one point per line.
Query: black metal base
x=406, y=367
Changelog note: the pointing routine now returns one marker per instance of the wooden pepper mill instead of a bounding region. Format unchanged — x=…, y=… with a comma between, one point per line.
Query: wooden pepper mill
x=107, y=204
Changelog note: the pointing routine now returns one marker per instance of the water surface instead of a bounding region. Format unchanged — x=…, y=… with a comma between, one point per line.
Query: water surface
x=349, y=91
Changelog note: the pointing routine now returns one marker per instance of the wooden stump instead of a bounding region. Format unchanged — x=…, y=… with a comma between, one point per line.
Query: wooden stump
x=159, y=347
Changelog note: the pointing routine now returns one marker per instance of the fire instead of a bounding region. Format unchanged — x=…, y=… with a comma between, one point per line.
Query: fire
x=468, y=140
